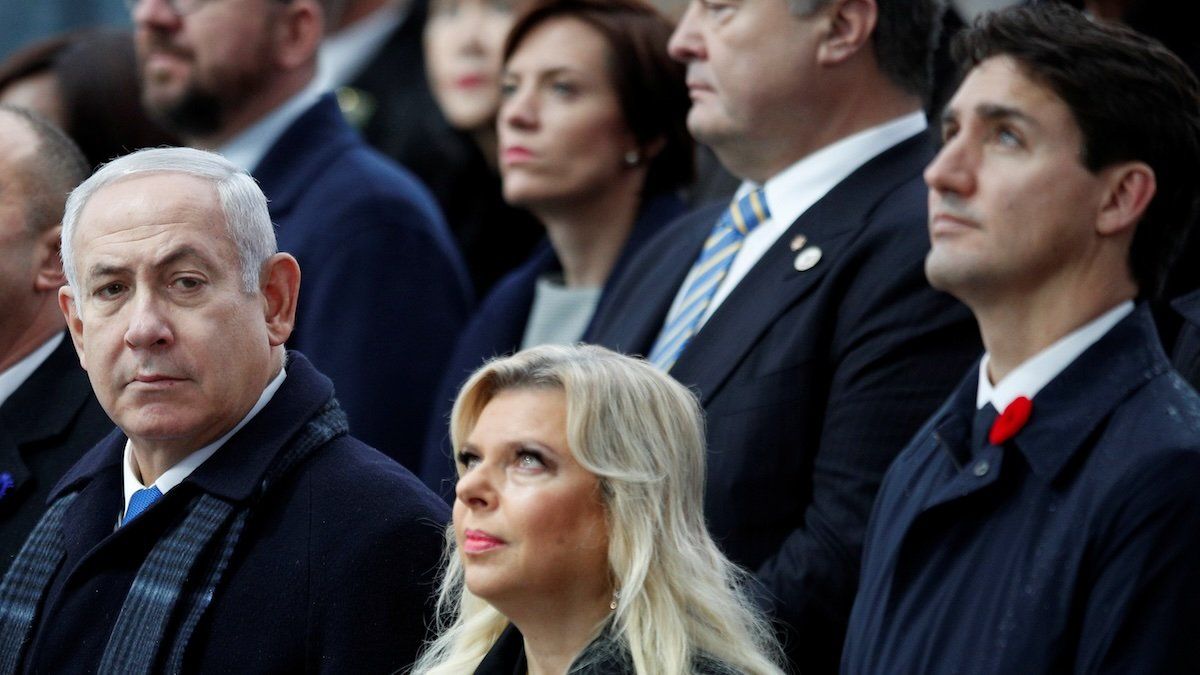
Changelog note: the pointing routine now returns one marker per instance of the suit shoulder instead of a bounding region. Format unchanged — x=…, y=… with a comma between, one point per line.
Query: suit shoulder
x=379, y=485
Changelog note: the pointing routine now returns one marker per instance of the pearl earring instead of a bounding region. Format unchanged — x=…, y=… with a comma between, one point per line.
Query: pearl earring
x=633, y=158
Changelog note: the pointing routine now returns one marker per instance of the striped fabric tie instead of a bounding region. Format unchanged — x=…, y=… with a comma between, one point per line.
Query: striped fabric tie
x=706, y=275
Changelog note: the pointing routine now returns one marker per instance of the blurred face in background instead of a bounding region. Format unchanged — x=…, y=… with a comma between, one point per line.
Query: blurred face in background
x=464, y=40
x=563, y=136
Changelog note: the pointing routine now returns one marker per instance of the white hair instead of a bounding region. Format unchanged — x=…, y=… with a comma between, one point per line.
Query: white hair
x=682, y=602
x=242, y=203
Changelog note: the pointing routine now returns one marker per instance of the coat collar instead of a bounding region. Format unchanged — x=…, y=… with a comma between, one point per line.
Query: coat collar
x=773, y=284
x=305, y=149
x=1073, y=405
x=237, y=468
x=57, y=390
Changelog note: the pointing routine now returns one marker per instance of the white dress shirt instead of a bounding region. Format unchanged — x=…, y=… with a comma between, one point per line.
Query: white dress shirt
x=248, y=148
x=1036, y=372
x=12, y=379
x=184, y=468
x=792, y=191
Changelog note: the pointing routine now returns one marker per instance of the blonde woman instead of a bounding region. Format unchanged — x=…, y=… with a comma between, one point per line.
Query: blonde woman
x=578, y=542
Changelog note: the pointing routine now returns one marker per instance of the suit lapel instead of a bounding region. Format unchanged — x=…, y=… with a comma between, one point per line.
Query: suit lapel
x=774, y=284
x=57, y=390
x=645, y=305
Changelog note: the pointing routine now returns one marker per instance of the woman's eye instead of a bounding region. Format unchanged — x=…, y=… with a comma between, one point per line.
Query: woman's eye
x=564, y=89
x=530, y=460
x=467, y=460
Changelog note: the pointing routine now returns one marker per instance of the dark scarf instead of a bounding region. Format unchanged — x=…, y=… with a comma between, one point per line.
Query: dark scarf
x=138, y=639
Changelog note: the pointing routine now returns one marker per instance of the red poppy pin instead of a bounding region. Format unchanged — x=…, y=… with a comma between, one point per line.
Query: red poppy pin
x=1012, y=420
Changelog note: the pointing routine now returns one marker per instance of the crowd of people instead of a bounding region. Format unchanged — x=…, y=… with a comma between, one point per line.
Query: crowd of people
x=407, y=336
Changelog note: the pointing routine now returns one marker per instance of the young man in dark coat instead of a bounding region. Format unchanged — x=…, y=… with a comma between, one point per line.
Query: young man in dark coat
x=1044, y=520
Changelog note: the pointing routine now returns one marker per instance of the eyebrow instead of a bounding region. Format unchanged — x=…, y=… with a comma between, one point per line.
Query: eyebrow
x=185, y=251
x=992, y=112
x=548, y=73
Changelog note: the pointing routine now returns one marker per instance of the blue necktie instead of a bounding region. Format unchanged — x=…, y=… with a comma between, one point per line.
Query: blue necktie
x=706, y=274
x=139, y=502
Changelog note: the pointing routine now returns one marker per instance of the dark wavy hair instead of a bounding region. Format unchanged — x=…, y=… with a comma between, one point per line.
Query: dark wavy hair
x=650, y=85
x=1133, y=100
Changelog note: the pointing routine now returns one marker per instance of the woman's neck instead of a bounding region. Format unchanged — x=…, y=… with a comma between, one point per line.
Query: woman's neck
x=554, y=639
x=588, y=235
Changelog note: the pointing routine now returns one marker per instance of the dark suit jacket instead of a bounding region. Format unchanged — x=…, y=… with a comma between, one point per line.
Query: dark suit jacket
x=383, y=293
x=333, y=572
x=45, y=427
x=1068, y=549
x=811, y=381
x=498, y=328
x=1187, y=347
x=404, y=122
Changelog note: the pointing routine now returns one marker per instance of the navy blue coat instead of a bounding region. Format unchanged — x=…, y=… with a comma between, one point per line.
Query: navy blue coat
x=45, y=427
x=1071, y=548
x=333, y=573
x=1186, y=355
x=383, y=292
x=498, y=328
x=811, y=381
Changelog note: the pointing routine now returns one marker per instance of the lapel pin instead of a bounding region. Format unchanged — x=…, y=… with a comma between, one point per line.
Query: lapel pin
x=808, y=258
x=798, y=242
x=6, y=483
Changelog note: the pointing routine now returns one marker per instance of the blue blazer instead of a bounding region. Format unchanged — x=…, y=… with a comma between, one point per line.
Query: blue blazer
x=383, y=293
x=811, y=381
x=333, y=573
x=1072, y=548
x=499, y=326
x=45, y=427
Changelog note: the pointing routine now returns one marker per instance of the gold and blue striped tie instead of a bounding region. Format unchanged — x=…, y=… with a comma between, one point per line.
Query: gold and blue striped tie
x=706, y=275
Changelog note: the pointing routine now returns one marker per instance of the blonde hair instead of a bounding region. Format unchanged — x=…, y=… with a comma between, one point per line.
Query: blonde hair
x=642, y=434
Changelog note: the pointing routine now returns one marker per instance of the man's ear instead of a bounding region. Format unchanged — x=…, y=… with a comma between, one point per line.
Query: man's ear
x=298, y=29
x=281, y=290
x=848, y=28
x=1129, y=188
x=66, y=303
x=47, y=265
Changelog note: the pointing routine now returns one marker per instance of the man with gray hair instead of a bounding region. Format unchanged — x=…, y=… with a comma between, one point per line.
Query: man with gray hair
x=800, y=313
x=230, y=524
x=48, y=415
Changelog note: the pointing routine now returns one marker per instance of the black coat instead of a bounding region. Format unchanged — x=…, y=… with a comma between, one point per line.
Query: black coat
x=45, y=426
x=333, y=573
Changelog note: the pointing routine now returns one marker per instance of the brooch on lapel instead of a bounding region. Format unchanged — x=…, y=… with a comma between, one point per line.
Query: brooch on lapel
x=357, y=105
x=6, y=483
x=806, y=258
x=1011, y=421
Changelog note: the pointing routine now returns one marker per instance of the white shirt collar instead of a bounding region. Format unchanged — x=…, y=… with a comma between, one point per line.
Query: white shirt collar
x=347, y=52
x=792, y=191
x=12, y=379
x=248, y=148
x=1036, y=372
x=175, y=475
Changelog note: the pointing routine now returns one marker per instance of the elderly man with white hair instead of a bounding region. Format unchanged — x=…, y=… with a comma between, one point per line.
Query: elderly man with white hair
x=230, y=523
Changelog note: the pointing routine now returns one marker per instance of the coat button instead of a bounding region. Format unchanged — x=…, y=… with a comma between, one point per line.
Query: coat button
x=981, y=468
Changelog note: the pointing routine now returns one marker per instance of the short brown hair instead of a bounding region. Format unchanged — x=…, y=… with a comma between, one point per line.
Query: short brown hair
x=1132, y=99
x=650, y=85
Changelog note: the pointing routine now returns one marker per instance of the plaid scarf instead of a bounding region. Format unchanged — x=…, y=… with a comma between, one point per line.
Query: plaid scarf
x=137, y=641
